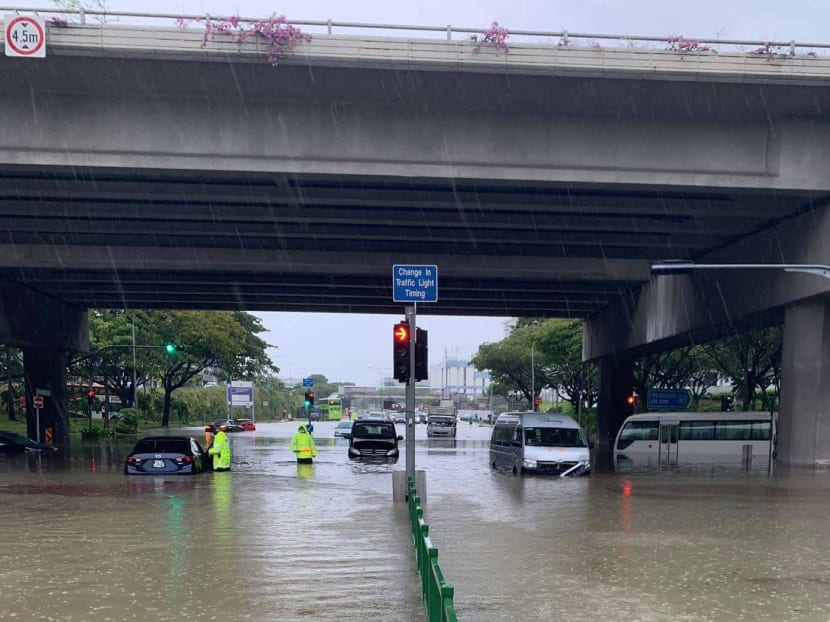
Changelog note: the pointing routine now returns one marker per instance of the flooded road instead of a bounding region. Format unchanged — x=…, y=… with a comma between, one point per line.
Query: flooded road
x=272, y=540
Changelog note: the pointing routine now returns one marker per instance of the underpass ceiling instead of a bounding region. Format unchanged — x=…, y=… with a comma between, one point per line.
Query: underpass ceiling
x=168, y=239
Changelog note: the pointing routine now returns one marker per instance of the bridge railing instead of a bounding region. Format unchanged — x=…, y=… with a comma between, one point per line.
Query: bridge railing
x=560, y=38
x=436, y=592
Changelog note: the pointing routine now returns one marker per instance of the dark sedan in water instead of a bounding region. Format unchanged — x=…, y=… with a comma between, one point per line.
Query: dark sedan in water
x=11, y=442
x=166, y=455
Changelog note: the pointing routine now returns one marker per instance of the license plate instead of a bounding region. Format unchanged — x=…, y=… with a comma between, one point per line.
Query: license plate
x=158, y=464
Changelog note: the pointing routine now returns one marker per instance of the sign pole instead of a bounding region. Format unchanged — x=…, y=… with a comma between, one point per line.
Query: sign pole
x=410, y=396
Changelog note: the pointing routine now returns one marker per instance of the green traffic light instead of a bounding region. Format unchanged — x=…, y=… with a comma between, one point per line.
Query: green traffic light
x=307, y=403
x=170, y=348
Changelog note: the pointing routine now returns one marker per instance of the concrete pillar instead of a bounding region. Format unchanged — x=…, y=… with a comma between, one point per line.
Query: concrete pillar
x=616, y=380
x=804, y=420
x=45, y=369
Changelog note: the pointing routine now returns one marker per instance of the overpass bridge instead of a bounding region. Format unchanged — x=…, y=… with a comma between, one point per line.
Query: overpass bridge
x=140, y=168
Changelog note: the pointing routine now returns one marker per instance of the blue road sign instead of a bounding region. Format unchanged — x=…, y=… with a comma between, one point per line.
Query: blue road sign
x=414, y=283
x=668, y=399
x=308, y=382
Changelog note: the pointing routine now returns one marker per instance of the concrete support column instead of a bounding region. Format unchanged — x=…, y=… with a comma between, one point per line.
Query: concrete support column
x=45, y=368
x=616, y=379
x=804, y=420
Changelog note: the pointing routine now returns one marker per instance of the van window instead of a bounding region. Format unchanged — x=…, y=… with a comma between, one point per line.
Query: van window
x=553, y=437
x=502, y=434
x=637, y=431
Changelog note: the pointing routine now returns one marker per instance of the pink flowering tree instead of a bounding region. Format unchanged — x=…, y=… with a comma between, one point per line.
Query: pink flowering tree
x=495, y=35
x=277, y=30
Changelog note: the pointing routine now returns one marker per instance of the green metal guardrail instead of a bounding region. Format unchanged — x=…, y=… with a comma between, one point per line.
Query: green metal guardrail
x=437, y=593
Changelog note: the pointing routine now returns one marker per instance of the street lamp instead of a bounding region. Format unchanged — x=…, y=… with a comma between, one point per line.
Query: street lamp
x=682, y=267
x=532, y=378
x=380, y=371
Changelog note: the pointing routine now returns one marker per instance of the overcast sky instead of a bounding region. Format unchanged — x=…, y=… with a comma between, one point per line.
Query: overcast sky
x=357, y=348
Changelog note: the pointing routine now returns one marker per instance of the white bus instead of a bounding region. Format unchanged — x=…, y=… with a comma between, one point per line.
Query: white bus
x=667, y=439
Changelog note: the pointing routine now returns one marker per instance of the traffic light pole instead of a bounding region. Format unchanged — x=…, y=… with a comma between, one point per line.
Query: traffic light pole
x=410, y=396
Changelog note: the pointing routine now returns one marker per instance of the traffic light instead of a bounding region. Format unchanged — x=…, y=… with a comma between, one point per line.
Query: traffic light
x=309, y=399
x=631, y=400
x=170, y=348
x=400, y=352
x=421, y=355
x=90, y=396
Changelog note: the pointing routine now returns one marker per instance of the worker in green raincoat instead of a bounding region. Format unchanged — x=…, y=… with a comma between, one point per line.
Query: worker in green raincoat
x=302, y=444
x=221, y=450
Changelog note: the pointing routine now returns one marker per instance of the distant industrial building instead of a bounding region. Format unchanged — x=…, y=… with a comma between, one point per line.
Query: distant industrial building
x=454, y=375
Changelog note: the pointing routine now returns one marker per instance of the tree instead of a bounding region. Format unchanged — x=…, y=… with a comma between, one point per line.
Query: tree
x=111, y=354
x=509, y=362
x=751, y=360
x=560, y=341
x=225, y=341
x=11, y=369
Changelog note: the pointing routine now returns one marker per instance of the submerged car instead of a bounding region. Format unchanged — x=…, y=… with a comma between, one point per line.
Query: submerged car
x=11, y=442
x=166, y=455
x=374, y=439
x=231, y=425
x=248, y=425
x=344, y=429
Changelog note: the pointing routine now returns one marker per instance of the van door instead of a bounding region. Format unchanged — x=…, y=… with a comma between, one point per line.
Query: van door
x=668, y=443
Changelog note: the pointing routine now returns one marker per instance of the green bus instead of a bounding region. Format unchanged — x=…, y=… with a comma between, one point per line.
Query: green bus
x=335, y=408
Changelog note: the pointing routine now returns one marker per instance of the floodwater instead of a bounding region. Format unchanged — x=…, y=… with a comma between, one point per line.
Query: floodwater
x=272, y=540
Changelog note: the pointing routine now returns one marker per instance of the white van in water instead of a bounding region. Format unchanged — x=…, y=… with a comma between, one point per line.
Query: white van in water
x=671, y=439
x=544, y=443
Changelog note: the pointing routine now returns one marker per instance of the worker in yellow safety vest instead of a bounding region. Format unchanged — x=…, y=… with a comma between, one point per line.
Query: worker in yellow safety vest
x=302, y=444
x=221, y=450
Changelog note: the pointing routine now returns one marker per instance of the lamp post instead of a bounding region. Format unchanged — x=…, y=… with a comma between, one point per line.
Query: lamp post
x=380, y=371
x=532, y=377
x=669, y=266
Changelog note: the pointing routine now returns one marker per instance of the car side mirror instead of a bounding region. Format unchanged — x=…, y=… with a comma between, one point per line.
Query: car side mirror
x=590, y=444
x=400, y=438
x=516, y=443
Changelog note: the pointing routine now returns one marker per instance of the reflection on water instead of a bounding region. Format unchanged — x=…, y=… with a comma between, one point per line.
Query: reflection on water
x=325, y=542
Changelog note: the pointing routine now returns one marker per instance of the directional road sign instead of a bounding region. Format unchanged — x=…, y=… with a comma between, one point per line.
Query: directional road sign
x=668, y=399
x=25, y=36
x=308, y=382
x=414, y=283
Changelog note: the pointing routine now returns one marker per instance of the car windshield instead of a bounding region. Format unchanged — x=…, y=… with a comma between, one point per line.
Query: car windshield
x=553, y=437
x=344, y=424
x=18, y=438
x=373, y=430
x=162, y=446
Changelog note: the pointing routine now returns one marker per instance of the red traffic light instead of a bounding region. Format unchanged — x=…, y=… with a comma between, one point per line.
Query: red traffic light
x=631, y=400
x=91, y=394
x=401, y=332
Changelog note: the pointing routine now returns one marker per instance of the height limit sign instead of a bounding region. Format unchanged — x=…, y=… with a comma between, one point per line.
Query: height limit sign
x=25, y=36
x=414, y=283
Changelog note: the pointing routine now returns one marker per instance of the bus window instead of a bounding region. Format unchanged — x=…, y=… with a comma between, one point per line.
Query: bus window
x=637, y=431
x=760, y=430
x=733, y=431
x=697, y=430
